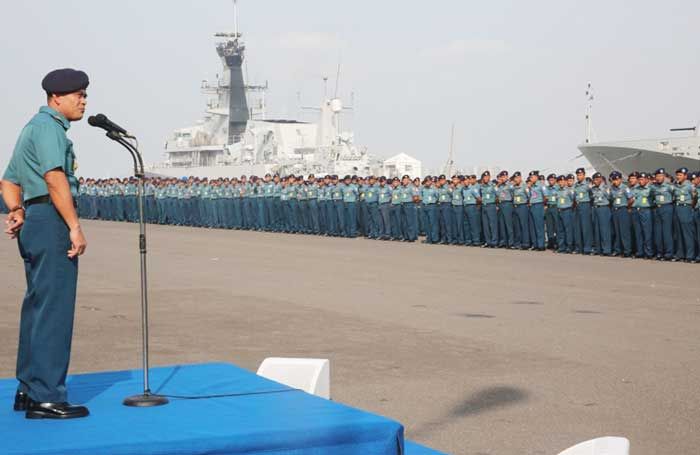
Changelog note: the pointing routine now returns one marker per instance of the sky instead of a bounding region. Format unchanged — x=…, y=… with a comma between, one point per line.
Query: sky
x=510, y=75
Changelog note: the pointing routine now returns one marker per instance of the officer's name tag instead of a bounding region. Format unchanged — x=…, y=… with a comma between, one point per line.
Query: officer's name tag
x=562, y=200
x=682, y=198
x=618, y=201
x=517, y=198
x=661, y=198
x=644, y=200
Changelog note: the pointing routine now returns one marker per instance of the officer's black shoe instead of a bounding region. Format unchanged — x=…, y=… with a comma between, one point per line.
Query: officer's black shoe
x=37, y=410
x=21, y=400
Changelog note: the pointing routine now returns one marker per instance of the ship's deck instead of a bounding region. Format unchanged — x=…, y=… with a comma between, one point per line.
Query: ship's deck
x=476, y=351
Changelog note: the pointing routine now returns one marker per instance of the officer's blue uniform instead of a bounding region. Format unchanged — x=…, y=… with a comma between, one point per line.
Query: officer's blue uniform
x=583, y=238
x=457, y=215
x=409, y=215
x=536, y=194
x=620, y=196
x=522, y=215
x=642, y=221
x=46, y=326
x=489, y=213
x=445, y=214
x=429, y=196
x=683, y=199
x=601, y=207
x=662, y=196
x=505, y=215
x=372, y=204
x=565, y=221
x=472, y=215
x=350, y=196
x=385, y=196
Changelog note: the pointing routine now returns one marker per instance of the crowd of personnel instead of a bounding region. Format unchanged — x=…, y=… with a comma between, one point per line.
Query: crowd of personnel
x=644, y=216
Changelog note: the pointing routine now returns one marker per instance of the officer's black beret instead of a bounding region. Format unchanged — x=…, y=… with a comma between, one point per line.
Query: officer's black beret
x=551, y=176
x=533, y=173
x=472, y=176
x=570, y=176
x=580, y=170
x=682, y=170
x=660, y=171
x=502, y=174
x=561, y=177
x=516, y=174
x=353, y=177
x=693, y=175
x=66, y=80
x=485, y=173
x=405, y=177
x=615, y=175
x=442, y=177
x=382, y=179
x=643, y=175
x=597, y=175
x=347, y=177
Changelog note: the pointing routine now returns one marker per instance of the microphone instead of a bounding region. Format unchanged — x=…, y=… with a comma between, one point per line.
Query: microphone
x=101, y=121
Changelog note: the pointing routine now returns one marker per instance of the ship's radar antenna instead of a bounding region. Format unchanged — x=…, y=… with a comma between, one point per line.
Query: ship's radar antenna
x=235, y=17
x=589, y=111
x=449, y=166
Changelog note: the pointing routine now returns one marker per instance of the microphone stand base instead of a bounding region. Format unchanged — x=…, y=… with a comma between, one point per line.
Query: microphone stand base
x=145, y=400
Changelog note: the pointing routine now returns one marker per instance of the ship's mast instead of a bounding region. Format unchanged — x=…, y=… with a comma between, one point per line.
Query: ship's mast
x=589, y=111
x=450, y=158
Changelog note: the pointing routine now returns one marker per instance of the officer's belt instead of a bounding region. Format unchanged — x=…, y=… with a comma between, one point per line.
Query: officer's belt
x=683, y=204
x=46, y=199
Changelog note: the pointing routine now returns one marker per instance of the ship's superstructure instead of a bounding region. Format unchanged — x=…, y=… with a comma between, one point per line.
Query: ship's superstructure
x=235, y=137
x=646, y=155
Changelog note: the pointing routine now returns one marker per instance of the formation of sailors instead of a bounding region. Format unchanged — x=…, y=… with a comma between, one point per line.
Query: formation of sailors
x=644, y=216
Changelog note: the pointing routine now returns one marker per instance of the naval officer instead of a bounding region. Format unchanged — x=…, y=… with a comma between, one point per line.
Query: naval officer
x=40, y=189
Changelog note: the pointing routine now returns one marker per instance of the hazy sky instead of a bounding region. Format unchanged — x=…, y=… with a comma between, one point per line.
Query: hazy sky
x=510, y=74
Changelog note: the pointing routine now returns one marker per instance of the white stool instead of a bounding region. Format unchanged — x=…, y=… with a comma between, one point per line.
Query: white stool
x=608, y=445
x=310, y=375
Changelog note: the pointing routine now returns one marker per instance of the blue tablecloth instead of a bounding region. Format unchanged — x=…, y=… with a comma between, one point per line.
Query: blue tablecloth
x=273, y=419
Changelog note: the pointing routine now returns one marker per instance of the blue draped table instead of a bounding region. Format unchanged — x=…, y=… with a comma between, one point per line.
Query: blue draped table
x=263, y=418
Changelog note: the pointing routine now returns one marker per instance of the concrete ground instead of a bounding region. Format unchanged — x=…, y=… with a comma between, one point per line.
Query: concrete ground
x=474, y=351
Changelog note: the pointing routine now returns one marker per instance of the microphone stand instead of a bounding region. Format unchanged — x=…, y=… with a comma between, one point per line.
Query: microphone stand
x=146, y=399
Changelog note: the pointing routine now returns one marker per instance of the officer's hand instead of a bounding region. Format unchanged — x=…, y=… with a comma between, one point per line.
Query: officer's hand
x=78, y=242
x=14, y=223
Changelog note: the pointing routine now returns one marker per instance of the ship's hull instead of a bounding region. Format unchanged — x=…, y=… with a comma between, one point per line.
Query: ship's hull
x=608, y=158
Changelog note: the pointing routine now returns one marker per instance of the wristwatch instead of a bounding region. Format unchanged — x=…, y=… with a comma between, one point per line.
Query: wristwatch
x=14, y=209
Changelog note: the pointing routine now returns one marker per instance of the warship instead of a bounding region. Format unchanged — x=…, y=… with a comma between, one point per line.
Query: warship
x=235, y=137
x=670, y=153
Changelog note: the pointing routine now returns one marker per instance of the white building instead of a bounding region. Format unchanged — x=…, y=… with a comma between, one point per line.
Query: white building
x=402, y=164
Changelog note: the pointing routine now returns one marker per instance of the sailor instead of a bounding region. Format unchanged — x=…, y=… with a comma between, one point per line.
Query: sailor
x=410, y=196
x=601, y=196
x=338, y=215
x=350, y=196
x=583, y=238
x=662, y=198
x=642, y=218
x=536, y=195
x=504, y=191
x=551, y=214
x=472, y=216
x=489, y=213
x=384, y=193
x=621, y=198
x=40, y=190
x=371, y=200
x=395, y=222
x=429, y=197
x=565, y=223
x=457, y=210
x=683, y=194
x=521, y=211
x=695, y=180
x=445, y=210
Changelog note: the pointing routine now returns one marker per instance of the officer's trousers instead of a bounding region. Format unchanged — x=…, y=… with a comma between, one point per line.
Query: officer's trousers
x=583, y=227
x=384, y=228
x=445, y=212
x=432, y=228
x=663, y=230
x=623, y=231
x=602, y=228
x=565, y=230
x=314, y=219
x=472, y=225
x=505, y=224
x=643, y=231
x=350, y=219
x=46, y=326
x=522, y=217
x=686, y=232
x=340, y=217
x=395, y=223
x=489, y=218
x=458, y=224
x=410, y=217
x=537, y=225
x=373, y=220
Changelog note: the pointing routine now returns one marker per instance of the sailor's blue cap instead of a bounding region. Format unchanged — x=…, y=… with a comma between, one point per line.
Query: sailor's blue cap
x=570, y=176
x=661, y=171
x=561, y=177
x=682, y=170
x=66, y=80
x=537, y=173
x=551, y=176
x=615, y=175
x=485, y=173
x=517, y=174
x=643, y=175
x=597, y=175
x=580, y=170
